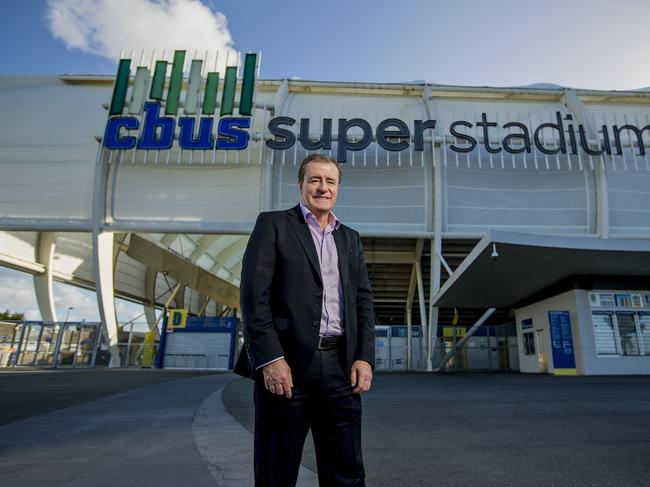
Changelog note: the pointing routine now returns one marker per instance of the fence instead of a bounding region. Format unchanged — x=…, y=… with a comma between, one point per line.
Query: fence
x=49, y=344
x=491, y=348
x=72, y=344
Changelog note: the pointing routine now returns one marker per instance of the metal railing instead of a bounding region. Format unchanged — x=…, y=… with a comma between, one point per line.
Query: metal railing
x=49, y=344
x=72, y=344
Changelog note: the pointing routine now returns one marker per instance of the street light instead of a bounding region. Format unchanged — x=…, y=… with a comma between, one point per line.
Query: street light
x=68, y=313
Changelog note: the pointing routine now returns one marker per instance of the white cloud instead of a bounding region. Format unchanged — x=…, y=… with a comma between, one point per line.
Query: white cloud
x=82, y=302
x=17, y=293
x=127, y=311
x=105, y=27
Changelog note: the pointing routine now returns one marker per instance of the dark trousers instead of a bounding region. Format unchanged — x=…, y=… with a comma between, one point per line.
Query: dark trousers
x=323, y=401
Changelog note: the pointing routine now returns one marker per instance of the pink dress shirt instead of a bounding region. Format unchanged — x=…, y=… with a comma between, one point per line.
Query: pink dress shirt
x=331, y=321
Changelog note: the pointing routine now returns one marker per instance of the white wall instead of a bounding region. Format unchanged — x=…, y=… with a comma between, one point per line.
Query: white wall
x=539, y=314
x=47, y=135
x=587, y=360
x=610, y=365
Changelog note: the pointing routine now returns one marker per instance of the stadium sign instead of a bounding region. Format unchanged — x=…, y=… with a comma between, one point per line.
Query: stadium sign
x=152, y=124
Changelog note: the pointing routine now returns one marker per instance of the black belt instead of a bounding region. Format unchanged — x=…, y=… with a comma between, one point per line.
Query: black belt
x=329, y=342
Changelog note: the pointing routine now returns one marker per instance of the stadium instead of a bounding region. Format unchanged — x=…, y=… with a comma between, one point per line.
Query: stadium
x=503, y=228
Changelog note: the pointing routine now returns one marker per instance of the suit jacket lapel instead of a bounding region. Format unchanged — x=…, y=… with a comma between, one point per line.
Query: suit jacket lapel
x=301, y=229
x=342, y=251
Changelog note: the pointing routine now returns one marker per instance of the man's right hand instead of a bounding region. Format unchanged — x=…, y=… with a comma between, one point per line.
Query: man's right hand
x=277, y=378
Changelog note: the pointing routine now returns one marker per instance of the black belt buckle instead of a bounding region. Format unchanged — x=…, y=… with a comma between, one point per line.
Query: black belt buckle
x=327, y=342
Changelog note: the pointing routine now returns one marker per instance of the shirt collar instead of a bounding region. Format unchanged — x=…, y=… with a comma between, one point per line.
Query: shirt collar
x=331, y=218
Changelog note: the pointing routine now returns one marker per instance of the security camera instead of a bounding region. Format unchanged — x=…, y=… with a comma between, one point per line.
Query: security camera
x=495, y=254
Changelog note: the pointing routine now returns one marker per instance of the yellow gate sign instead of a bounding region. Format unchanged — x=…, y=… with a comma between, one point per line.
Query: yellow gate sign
x=177, y=318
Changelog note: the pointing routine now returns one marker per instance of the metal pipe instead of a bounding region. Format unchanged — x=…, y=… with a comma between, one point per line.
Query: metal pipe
x=138, y=353
x=467, y=336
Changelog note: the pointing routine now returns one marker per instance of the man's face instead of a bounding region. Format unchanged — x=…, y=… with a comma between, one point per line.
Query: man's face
x=319, y=187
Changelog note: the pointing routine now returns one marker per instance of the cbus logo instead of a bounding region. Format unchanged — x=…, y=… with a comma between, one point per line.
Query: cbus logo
x=157, y=130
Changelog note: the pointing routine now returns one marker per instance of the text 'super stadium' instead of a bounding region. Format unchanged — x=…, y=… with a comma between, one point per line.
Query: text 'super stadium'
x=504, y=228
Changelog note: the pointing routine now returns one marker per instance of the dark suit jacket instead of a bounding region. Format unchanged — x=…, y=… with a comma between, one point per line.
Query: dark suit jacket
x=281, y=292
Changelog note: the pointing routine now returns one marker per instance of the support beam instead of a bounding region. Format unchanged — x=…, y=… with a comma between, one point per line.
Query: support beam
x=149, y=303
x=104, y=279
x=446, y=266
x=422, y=304
x=206, y=301
x=21, y=265
x=183, y=271
x=179, y=299
x=467, y=336
x=582, y=116
x=432, y=109
x=167, y=241
x=204, y=243
x=413, y=284
x=409, y=317
x=140, y=349
x=103, y=253
x=409, y=339
x=43, y=283
x=435, y=273
x=226, y=254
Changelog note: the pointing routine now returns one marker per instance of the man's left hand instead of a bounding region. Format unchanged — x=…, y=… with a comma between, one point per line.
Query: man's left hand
x=361, y=376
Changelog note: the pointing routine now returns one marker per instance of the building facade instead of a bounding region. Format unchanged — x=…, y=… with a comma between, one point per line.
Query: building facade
x=145, y=186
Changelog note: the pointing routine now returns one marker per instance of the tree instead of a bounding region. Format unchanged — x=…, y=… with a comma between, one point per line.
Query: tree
x=8, y=315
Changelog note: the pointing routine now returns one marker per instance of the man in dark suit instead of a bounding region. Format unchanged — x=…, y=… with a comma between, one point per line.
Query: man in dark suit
x=307, y=307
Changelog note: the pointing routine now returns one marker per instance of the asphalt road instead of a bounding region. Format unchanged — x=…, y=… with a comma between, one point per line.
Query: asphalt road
x=29, y=392
x=497, y=430
x=161, y=428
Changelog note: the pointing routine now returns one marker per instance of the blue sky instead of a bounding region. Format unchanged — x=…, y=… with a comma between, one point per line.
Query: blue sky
x=580, y=43
x=594, y=44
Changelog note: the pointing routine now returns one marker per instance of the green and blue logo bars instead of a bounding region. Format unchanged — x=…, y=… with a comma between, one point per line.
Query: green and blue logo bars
x=157, y=131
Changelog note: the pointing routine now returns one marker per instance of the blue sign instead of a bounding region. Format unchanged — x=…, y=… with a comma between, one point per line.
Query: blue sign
x=527, y=323
x=562, y=342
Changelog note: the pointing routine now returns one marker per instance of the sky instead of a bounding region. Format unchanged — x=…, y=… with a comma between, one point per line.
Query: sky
x=592, y=44
x=596, y=44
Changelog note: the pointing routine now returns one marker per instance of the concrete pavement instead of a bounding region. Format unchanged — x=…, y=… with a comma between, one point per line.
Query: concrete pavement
x=148, y=427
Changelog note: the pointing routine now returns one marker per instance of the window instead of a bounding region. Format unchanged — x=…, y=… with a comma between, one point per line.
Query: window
x=529, y=343
x=644, y=330
x=623, y=333
x=627, y=333
x=604, y=333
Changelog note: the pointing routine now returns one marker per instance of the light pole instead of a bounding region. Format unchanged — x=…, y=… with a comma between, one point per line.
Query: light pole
x=67, y=315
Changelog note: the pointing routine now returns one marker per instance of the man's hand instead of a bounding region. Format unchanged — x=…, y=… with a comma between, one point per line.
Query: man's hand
x=361, y=376
x=277, y=378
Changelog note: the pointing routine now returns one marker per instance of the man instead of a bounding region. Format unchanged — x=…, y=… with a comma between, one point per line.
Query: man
x=307, y=306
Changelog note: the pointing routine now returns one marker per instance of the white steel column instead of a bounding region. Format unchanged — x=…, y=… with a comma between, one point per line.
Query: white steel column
x=416, y=283
x=409, y=316
x=104, y=277
x=103, y=255
x=436, y=241
x=421, y=301
x=436, y=252
x=409, y=327
x=149, y=303
x=43, y=283
x=423, y=307
x=583, y=117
